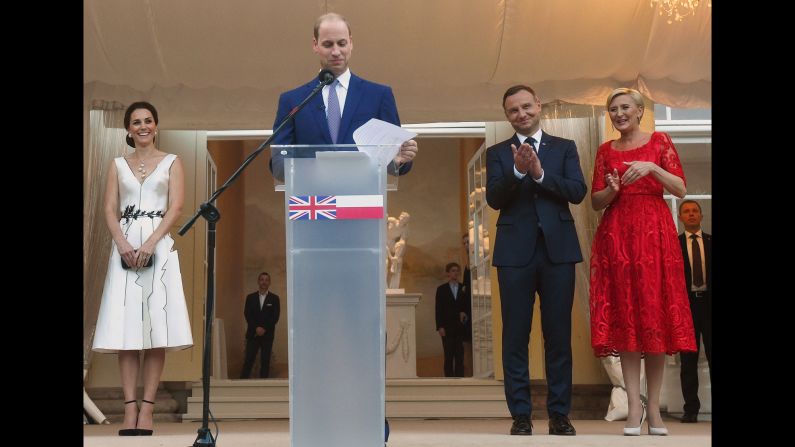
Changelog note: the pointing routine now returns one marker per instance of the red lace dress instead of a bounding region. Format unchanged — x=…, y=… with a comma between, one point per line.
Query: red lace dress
x=638, y=297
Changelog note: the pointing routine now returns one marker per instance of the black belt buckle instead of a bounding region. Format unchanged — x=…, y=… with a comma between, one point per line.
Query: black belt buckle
x=699, y=294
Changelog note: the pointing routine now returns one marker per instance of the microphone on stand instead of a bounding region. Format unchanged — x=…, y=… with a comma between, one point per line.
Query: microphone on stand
x=325, y=76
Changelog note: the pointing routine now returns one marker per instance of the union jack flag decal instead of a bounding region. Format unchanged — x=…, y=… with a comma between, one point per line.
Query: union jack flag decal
x=313, y=207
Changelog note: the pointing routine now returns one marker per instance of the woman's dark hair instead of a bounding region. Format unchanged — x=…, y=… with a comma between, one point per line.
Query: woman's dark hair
x=133, y=107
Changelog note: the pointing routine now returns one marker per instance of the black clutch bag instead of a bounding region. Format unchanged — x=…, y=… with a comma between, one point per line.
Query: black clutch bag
x=148, y=263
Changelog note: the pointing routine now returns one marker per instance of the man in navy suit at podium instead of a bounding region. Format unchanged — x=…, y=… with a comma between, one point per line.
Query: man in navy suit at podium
x=343, y=106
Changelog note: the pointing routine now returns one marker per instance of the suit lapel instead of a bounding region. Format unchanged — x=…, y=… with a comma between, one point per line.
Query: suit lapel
x=352, y=99
x=318, y=111
x=509, y=152
x=688, y=271
x=708, y=258
x=544, y=147
x=457, y=293
x=267, y=301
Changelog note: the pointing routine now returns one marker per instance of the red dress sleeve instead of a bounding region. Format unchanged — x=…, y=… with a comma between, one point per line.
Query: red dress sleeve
x=599, y=170
x=669, y=159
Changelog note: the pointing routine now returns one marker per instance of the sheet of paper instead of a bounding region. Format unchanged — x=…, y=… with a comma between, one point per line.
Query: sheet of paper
x=376, y=131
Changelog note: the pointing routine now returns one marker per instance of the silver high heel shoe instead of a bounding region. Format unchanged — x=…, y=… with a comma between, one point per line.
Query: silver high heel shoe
x=635, y=431
x=658, y=431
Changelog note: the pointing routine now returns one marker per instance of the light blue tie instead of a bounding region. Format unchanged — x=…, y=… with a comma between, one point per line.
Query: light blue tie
x=333, y=111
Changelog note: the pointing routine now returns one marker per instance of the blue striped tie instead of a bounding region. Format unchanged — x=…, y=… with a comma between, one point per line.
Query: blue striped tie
x=333, y=111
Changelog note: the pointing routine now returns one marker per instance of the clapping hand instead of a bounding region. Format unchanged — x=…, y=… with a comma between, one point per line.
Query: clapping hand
x=613, y=181
x=636, y=171
x=526, y=160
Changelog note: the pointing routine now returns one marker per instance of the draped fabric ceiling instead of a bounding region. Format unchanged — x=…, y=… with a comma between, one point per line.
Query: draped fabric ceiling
x=209, y=64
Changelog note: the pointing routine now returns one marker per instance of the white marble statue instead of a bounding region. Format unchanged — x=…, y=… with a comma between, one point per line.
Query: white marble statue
x=618, y=408
x=483, y=239
x=397, y=231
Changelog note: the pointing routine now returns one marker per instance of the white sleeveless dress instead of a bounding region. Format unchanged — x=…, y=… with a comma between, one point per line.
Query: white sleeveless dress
x=145, y=308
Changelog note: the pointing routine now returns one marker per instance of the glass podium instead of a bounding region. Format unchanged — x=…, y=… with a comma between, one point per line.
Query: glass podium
x=335, y=210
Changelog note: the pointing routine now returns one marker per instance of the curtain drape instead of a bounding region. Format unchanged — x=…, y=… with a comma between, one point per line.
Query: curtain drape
x=583, y=124
x=211, y=65
x=106, y=141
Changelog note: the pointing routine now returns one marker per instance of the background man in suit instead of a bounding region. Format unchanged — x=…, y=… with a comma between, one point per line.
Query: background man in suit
x=262, y=314
x=532, y=178
x=697, y=254
x=343, y=106
x=452, y=312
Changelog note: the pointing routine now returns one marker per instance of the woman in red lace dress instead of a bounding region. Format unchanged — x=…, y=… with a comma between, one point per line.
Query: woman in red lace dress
x=639, y=305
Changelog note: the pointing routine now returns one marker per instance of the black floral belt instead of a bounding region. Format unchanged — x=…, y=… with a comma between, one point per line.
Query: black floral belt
x=131, y=213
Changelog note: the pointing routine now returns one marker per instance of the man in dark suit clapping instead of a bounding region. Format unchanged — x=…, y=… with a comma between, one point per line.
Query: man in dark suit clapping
x=532, y=178
x=262, y=314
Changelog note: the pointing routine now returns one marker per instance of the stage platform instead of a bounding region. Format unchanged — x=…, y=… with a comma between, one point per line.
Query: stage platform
x=411, y=433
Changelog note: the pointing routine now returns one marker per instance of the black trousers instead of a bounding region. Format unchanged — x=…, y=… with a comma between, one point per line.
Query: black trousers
x=555, y=286
x=701, y=308
x=263, y=344
x=453, y=346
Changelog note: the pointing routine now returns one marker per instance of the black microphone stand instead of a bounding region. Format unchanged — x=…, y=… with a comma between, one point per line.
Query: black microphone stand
x=211, y=214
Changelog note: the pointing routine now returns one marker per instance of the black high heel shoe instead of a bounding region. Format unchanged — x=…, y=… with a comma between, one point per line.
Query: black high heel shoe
x=130, y=431
x=143, y=431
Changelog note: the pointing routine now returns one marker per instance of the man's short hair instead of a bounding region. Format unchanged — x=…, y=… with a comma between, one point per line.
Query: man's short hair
x=451, y=265
x=516, y=89
x=330, y=16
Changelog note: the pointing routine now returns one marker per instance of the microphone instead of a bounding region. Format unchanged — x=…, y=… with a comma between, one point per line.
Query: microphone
x=325, y=76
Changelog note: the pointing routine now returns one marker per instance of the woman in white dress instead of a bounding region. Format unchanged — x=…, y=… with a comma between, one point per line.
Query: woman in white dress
x=143, y=304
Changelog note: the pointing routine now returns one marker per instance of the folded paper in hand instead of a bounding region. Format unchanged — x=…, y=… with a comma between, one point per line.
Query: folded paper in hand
x=376, y=131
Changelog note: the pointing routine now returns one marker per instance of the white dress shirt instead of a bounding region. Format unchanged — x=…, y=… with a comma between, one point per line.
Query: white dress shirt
x=454, y=289
x=342, y=91
x=689, y=245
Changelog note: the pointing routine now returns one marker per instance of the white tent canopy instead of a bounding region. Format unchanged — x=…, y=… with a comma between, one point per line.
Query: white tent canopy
x=209, y=64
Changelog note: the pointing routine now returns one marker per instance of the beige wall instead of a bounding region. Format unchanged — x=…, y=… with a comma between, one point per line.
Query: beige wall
x=227, y=156
x=264, y=250
x=431, y=193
